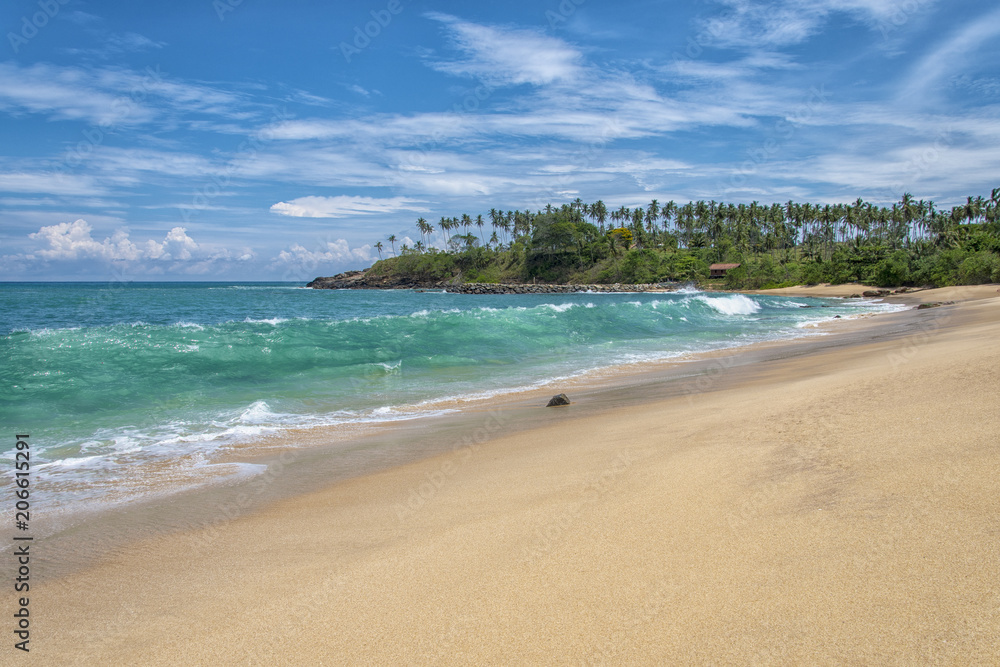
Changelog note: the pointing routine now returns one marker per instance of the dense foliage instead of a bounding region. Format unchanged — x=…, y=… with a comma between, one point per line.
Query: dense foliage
x=908, y=243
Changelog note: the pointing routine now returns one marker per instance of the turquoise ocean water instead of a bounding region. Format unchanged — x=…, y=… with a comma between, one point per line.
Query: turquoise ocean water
x=128, y=387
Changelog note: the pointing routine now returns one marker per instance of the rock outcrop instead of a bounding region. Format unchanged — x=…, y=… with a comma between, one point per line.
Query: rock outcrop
x=362, y=280
x=558, y=399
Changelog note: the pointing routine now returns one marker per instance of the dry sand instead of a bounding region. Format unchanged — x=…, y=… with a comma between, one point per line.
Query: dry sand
x=841, y=507
x=963, y=293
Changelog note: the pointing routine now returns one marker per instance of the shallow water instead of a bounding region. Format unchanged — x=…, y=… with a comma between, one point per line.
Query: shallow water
x=133, y=389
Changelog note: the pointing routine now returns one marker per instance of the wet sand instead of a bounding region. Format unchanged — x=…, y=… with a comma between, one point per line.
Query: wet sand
x=828, y=503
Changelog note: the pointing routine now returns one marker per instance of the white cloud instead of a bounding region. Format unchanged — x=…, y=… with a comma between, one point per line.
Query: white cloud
x=73, y=240
x=950, y=57
x=508, y=55
x=108, y=97
x=343, y=206
x=754, y=24
x=67, y=93
x=325, y=254
x=51, y=183
x=70, y=242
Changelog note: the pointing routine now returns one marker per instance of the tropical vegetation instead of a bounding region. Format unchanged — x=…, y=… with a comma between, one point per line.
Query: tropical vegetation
x=908, y=243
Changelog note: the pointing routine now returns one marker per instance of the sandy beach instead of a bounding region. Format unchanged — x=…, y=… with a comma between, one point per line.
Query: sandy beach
x=835, y=507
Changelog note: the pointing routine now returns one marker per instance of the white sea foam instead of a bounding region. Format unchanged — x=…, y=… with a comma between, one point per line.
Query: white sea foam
x=559, y=307
x=273, y=321
x=258, y=412
x=735, y=304
x=814, y=323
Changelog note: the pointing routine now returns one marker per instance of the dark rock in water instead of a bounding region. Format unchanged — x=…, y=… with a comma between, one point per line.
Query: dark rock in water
x=925, y=306
x=836, y=317
x=561, y=399
x=854, y=296
x=367, y=280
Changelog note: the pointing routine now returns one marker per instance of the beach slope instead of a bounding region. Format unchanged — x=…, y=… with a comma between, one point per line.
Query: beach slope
x=838, y=507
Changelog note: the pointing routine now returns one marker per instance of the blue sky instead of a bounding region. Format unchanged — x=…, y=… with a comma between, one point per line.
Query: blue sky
x=251, y=139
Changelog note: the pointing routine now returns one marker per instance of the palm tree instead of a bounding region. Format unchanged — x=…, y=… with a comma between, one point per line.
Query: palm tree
x=430, y=234
x=600, y=213
x=379, y=246
x=425, y=229
x=392, y=241
x=652, y=215
x=667, y=212
x=444, y=224
x=479, y=224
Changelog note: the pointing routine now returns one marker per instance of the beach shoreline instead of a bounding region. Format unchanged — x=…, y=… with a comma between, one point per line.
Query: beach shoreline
x=321, y=547
x=307, y=459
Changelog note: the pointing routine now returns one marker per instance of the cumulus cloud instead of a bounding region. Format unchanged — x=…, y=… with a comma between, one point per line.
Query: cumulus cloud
x=326, y=252
x=73, y=240
x=508, y=55
x=343, y=206
x=73, y=243
x=326, y=257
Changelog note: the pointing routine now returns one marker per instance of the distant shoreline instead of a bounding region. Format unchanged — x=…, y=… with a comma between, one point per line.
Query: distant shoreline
x=360, y=280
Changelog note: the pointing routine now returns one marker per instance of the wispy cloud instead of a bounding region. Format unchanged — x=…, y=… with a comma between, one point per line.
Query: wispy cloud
x=108, y=96
x=116, y=44
x=949, y=58
x=755, y=25
x=67, y=93
x=507, y=56
x=50, y=183
x=344, y=206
